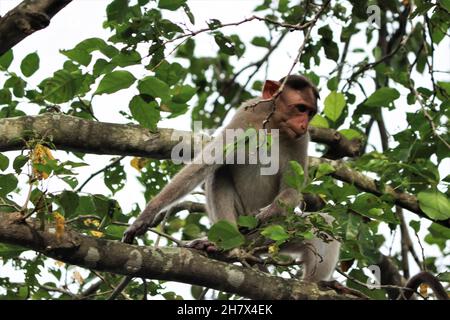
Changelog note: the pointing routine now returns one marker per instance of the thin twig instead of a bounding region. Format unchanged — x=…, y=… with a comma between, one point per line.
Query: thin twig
x=98, y=172
x=378, y=286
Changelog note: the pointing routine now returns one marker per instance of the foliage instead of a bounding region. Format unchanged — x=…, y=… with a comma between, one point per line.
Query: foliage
x=178, y=77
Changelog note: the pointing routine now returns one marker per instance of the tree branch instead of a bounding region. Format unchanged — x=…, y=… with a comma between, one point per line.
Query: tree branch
x=363, y=182
x=163, y=263
x=25, y=19
x=77, y=134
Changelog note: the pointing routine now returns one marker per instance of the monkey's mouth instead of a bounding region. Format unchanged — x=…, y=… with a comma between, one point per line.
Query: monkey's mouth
x=291, y=133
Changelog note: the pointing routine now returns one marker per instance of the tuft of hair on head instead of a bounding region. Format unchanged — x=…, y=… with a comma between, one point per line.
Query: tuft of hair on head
x=298, y=82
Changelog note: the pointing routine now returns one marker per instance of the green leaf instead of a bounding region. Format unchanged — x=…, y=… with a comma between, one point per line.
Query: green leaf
x=295, y=175
x=368, y=205
x=114, y=231
x=382, y=97
x=71, y=181
x=8, y=251
x=415, y=225
x=188, y=12
x=19, y=162
x=69, y=202
x=147, y=114
x=276, y=233
x=260, y=42
x=324, y=169
x=435, y=204
x=115, y=81
x=154, y=87
x=8, y=182
x=4, y=162
x=225, y=235
x=248, y=221
x=117, y=10
x=30, y=64
x=330, y=47
x=319, y=122
x=182, y=94
x=78, y=55
x=438, y=235
x=445, y=4
x=62, y=87
x=334, y=105
x=444, y=276
x=102, y=66
x=352, y=224
x=171, y=4
x=170, y=73
x=6, y=59
x=351, y=134
x=17, y=84
x=85, y=205
x=115, y=178
x=225, y=44
x=125, y=59
x=5, y=96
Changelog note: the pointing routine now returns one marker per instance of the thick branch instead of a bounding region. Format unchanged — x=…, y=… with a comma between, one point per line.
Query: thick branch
x=25, y=19
x=363, y=182
x=76, y=134
x=163, y=263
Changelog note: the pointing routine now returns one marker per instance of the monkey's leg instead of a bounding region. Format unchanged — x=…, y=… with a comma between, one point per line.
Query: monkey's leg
x=319, y=259
x=221, y=196
x=220, y=200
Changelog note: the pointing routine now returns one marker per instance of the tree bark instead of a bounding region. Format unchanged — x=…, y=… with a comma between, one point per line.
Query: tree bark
x=162, y=263
x=25, y=19
x=76, y=134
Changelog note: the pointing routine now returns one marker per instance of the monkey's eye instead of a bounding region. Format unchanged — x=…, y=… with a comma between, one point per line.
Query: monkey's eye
x=301, y=107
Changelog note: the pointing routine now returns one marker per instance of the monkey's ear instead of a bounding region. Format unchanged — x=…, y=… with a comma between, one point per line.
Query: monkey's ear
x=270, y=87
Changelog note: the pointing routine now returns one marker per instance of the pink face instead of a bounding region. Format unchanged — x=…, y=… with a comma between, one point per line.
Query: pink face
x=297, y=108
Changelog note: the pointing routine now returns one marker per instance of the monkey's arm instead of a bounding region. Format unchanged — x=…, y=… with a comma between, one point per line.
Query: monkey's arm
x=183, y=183
x=288, y=198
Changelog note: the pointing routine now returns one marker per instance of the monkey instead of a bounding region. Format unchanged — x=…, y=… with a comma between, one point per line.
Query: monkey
x=240, y=189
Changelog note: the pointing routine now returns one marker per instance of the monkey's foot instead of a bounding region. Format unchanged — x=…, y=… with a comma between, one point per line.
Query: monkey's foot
x=202, y=245
x=136, y=229
x=341, y=289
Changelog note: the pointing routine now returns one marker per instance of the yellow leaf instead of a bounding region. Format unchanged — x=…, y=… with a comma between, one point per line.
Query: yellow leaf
x=97, y=234
x=40, y=155
x=77, y=277
x=59, y=224
x=423, y=289
x=93, y=222
x=59, y=263
x=138, y=163
x=273, y=249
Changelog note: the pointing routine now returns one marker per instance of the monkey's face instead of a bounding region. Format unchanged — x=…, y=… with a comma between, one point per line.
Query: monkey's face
x=294, y=110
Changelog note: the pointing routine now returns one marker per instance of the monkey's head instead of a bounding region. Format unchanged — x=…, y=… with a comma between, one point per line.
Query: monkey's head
x=294, y=107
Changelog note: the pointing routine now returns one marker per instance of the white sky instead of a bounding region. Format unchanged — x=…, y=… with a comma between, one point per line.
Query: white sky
x=83, y=19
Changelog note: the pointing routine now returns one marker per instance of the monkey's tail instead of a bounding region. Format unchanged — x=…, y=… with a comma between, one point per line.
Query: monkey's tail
x=430, y=280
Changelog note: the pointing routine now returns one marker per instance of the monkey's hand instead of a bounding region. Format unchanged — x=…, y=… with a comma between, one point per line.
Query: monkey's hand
x=268, y=212
x=139, y=227
x=202, y=244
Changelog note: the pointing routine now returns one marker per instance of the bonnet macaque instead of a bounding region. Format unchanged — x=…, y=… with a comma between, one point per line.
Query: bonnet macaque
x=240, y=189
